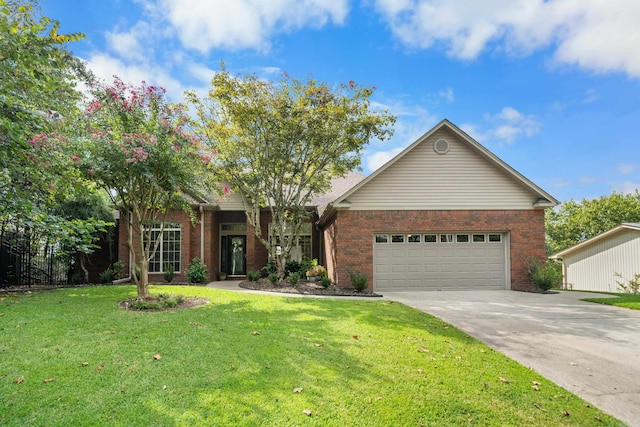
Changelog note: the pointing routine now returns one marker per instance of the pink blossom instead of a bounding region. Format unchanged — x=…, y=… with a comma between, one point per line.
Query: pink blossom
x=75, y=158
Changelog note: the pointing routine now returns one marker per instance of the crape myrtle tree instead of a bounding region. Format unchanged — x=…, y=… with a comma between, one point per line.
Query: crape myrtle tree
x=280, y=143
x=573, y=222
x=138, y=149
x=37, y=94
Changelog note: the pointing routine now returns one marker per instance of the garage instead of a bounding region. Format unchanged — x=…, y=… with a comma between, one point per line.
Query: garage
x=439, y=261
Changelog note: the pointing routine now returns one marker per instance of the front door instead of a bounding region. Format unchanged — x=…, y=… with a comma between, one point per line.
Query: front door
x=234, y=250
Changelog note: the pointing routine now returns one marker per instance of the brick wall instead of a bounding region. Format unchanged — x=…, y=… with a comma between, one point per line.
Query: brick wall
x=353, y=231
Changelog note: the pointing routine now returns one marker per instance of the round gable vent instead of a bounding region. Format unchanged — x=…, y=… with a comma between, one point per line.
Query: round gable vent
x=441, y=146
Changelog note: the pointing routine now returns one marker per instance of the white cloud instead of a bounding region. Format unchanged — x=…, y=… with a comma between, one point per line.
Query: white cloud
x=587, y=180
x=106, y=66
x=626, y=168
x=593, y=34
x=510, y=124
x=244, y=24
x=627, y=187
x=412, y=122
x=379, y=158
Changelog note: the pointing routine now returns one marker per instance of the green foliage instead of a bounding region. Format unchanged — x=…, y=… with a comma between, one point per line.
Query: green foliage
x=268, y=268
x=273, y=278
x=544, y=277
x=293, y=278
x=358, y=280
x=197, y=272
x=168, y=272
x=137, y=149
x=325, y=282
x=293, y=267
x=112, y=273
x=38, y=96
x=253, y=275
x=629, y=286
x=574, y=222
x=280, y=143
x=157, y=303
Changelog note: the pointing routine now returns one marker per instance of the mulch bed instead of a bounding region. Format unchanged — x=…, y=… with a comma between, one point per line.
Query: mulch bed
x=305, y=288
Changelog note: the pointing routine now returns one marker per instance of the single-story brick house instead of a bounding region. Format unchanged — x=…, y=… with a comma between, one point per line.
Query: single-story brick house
x=592, y=265
x=445, y=213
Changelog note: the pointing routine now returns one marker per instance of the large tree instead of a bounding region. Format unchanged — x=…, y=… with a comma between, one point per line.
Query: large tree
x=37, y=92
x=574, y=222
x=280, y=143
x=138, y=150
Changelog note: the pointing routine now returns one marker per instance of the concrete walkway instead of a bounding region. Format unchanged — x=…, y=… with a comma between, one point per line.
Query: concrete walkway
x=591, y=350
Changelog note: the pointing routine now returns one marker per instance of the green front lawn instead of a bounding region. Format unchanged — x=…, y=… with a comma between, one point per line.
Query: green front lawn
x=71, y=357
x=619, y=300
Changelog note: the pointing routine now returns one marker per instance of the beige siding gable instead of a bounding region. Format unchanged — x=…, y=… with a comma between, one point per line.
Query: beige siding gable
x=230, y=202
x=463, y=178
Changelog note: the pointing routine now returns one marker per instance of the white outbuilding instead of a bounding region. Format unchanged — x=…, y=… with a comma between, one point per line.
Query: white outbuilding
x=597, y=264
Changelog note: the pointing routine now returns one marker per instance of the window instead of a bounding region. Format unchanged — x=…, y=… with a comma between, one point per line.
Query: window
x=462, y=238
x=478, y=238
x=430, y=238
x=397, y=238
x=495, y=237
x=413, y=238
x=446, y=238
x=167, y=241
x=301, y=250
x=382, y=238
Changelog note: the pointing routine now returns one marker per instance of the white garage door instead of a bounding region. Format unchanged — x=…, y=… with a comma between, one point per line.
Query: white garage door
x=429, y=261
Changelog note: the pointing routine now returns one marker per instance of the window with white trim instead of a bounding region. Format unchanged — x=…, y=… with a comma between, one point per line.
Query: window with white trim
x=301, y=250
x=167, y=239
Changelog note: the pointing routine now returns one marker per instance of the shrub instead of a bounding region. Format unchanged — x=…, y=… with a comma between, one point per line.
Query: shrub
x=253, y=275
x=268, y=268
x=292, y=267
x=544, y=277
x=325, y=282
x=273, y=278
x=631, y=286
x=169, y=272
x=112, y=273
x=317, y=270
x=162, y=301
x=358, y=280
x=197, y=272
x=294, y=278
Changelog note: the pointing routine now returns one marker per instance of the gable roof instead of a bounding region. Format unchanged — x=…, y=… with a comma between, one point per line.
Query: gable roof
x=543, y=199
x=604, y=235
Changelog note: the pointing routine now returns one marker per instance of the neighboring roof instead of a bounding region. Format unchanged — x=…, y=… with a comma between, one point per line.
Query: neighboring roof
x=597, y=238
x=544, y=199
x=339, y=186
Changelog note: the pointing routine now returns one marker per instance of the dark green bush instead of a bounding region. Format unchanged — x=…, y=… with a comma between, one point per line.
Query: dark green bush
x=358, y=280
x=294, y=278
x=253, y=275
x=292, y=267
x=273, y=278
x=169, y=272
x=325, y=282
x=197, y=272
x=544, y=277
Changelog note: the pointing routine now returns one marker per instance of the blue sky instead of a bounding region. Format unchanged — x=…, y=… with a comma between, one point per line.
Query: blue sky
x=551, y=87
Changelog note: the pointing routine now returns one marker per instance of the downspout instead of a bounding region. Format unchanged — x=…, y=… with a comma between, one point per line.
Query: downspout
x=201, y=233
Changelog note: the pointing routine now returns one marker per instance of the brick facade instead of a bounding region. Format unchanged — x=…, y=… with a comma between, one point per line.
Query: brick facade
x=349, y=245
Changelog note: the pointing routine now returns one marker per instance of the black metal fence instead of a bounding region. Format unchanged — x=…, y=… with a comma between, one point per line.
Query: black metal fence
x=26, y=261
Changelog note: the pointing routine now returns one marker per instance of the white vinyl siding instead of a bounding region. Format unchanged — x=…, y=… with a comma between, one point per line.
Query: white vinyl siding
x=450, y=261
x=593, y=267
x=231, y=202
x=461, y=179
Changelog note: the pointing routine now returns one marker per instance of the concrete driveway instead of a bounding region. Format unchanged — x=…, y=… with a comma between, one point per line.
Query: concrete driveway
x=589, y=349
